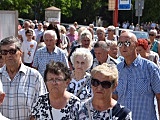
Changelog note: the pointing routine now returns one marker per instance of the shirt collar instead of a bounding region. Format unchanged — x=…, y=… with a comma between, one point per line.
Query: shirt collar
x=55, y=49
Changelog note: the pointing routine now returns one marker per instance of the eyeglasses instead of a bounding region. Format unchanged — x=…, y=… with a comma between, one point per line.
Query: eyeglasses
x=29, y=35
x=104, y=84
x=11, y=52
x=151, y=34
x=55, y=80
x=126, y=43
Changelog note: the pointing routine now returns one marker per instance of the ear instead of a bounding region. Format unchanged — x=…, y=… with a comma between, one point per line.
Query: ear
x=114, y=86
x=2, y=95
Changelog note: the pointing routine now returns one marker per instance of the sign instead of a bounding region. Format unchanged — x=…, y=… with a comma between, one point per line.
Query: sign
x=111, y=5
x=124, y=4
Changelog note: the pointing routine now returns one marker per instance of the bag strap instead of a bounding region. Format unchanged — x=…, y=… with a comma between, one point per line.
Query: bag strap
x=82, y=87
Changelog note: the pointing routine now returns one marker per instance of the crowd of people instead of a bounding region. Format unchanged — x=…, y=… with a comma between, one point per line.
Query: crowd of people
x=49, y=72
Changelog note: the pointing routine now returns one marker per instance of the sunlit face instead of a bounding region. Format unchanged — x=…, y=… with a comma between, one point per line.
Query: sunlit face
x=85, y=42
x=11, y=59
x=113, y=51
x=80, y=64
x=50, y=41
x=100, y=92
x=101, y=54
x=127, y=51
x=101, y=35
x=141, y=51
x=56, y=83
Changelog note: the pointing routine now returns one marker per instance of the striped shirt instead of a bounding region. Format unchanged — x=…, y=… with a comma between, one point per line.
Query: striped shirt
x=21, y=92
x=137, y=86
x=43, y=57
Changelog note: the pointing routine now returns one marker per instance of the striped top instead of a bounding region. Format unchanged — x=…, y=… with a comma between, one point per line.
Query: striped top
x=21, y=92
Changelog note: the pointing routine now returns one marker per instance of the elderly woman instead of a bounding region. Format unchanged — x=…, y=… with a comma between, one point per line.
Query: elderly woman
x=57, y=104
x=155, y=45
x=102, y=105
x=85, y=42
x=80, y=84
x=143, y=48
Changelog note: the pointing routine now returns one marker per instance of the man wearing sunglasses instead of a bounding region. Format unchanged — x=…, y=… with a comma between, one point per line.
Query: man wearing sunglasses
x=102, y=106
x=139, y=80
x=21, y=84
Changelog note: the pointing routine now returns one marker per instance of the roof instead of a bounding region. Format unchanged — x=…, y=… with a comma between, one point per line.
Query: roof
x=53, y=8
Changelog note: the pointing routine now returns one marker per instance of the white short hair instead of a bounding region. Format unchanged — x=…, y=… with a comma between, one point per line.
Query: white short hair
x=51, y=32
x=153, y=31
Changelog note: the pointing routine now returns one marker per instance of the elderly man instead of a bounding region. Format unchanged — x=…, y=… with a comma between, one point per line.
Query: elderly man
x=49, y=52
x=101, y=50
x=21, y=33
x=2, y=95
x=22, y=85
x=139, y=80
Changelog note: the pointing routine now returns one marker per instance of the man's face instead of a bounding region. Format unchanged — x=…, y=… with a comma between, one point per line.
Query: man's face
x=11, y=55
x=127, y=45
x=101, y=54
x=49, y=41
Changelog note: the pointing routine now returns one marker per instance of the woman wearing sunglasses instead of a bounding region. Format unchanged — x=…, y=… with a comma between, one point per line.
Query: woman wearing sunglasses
x=102, y=105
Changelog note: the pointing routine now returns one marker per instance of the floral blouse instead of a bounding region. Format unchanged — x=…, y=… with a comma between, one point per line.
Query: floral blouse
x=118, y=112
x=42, y=110
x=75, y=86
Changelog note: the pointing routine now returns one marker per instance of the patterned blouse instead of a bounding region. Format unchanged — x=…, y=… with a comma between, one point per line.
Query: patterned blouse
x=118, y=112
x=42, y=110
x=75, y=86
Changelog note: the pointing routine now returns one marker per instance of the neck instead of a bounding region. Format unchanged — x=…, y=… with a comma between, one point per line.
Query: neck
x=50, y=50
x=104, y=104
x=129, y=60
x=79, y=75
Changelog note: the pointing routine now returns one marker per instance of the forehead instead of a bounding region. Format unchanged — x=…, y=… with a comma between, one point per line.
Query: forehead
x=8, y=46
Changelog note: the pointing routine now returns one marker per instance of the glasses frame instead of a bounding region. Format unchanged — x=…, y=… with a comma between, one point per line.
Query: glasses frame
x=55, y=80
x=151, y=35
x=126, y=43
x=105, y=84
x=11, y=52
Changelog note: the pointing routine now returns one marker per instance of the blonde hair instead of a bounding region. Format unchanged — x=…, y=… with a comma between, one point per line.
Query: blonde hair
x=108, y=70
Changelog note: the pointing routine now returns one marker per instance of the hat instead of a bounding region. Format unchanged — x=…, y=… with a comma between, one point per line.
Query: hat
x=111, y=27
x=143, y=43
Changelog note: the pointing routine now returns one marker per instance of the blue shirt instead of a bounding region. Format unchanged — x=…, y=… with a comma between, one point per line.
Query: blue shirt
x=137, y=86
x=43, y=57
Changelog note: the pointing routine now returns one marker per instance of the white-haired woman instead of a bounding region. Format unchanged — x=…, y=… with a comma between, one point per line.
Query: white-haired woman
x=80, y=85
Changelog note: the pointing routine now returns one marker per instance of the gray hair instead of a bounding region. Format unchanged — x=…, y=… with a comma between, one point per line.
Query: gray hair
x=51, y=32
x=86, y=33
x=102, y=44
x=85, y=53
x=11, y=40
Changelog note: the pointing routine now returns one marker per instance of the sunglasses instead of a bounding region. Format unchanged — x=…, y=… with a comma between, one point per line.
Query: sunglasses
x=151, y=34
x=126, y=43
x=11, y=52
x=104, y=84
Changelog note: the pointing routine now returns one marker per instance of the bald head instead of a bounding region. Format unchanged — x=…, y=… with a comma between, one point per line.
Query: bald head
x=128, y=34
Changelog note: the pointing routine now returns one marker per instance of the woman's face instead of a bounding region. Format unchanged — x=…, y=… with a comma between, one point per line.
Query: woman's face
x=56, y=83
x=141, y=51
x=99, y=92
x=80, y=64
x=85, y=42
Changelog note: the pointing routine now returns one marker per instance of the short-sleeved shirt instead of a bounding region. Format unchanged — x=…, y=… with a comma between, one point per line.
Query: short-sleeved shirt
x=21, y=92
x=43, y=57
x=137, y=86
x=42, y=109
x=118, y=112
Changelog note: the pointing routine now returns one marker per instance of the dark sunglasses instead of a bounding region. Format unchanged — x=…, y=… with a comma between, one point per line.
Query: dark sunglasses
x=11, y=52
x=104, y=84
x=151, y=34
x=126, y=43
